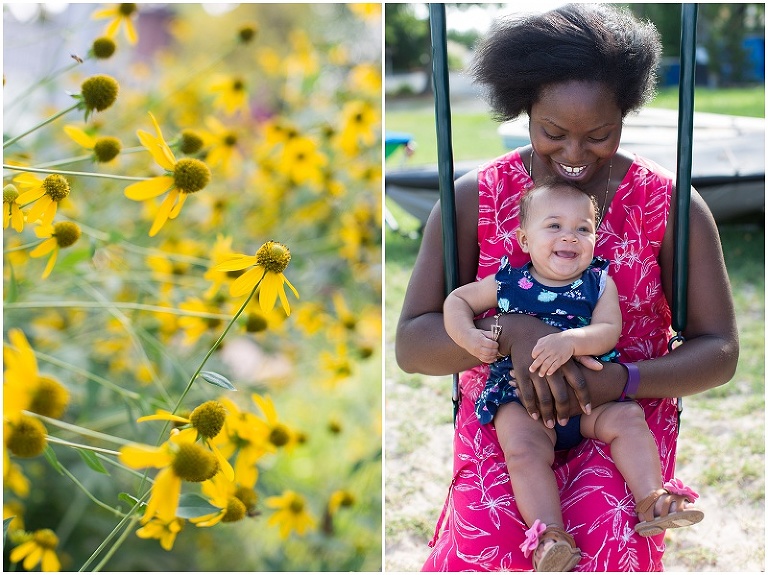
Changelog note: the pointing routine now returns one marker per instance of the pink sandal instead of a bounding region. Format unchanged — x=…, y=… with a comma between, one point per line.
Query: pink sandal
x=675, y=492
x=562, y=555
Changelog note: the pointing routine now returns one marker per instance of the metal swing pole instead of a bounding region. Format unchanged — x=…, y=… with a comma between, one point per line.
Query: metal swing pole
x=445, y=158
x=683, y=177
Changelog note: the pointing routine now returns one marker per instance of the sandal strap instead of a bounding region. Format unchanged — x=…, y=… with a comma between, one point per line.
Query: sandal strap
x=646, y=508
x=556, y=533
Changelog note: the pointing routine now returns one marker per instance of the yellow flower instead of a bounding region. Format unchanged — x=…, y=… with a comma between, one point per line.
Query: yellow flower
x=39, y=548
x=121, y=14
x=205, y=422
x=231, y=94
x=105, y=149
x=337, y=365
x=291, y=514
x=195, y=327
x=223, y=493
x=164, y=531
x=24, y=387
x=178, y=459
x=269, y=263
x=183, y=177
x=279, y=434
x=16, y=510
x=365, y=78
x=11, y=209
x=46, y=195
x=59, y=235
x=339, y=499
x=302, y=162
x=359, y=123
x=246, y=436
x=221, y=250
x=366, y=10
x=222, y=146
x=13, y=477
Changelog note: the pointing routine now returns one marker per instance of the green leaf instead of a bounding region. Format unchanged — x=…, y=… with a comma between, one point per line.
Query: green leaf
x=192, y=505
x=217, y=379
x=130, y=500
x=6, y=524
x=92, y=461
x=52, y=459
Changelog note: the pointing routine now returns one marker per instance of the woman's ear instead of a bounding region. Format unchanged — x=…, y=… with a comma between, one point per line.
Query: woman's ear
x=522, y=239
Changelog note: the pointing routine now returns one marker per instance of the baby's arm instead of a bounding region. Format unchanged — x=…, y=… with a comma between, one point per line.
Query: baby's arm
x=599, y=337
x=459, y=310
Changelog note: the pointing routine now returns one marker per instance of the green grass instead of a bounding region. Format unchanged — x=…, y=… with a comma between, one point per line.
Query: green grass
x=733, y=101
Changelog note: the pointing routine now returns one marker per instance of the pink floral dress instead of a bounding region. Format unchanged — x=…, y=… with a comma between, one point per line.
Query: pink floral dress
x=480, y=528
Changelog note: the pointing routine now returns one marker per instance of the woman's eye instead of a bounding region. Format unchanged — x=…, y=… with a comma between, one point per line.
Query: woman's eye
x=598, y=140
x=552, y=137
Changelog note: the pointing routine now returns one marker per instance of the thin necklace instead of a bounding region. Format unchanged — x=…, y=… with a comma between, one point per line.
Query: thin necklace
x=607, y=187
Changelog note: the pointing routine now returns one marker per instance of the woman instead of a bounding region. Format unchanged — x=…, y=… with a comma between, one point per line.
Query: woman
x=576, y=71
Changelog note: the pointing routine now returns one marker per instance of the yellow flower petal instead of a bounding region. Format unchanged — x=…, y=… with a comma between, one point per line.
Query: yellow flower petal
x=270, y=285
x=130, y=32
x=33, y=558
x=140, y=456
x=44, y=248
x=177, y=207
x=244, y=284
x=51, y=563
x=149, y=189
x=235, y=262
x=22, y=551
x=51, y=261
x=163, y=415
x=80, y=136
x=224, y=465
x=17, y=219
x=165, y=497
x=162, y=213
x=38, y=208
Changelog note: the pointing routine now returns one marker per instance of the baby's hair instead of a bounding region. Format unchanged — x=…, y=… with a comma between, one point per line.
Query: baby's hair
x=551, y=183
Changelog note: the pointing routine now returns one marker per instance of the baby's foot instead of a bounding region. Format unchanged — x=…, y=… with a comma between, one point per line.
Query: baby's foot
x=667, y=508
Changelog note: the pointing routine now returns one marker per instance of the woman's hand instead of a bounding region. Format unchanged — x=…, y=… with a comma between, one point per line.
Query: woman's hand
x=547, y=397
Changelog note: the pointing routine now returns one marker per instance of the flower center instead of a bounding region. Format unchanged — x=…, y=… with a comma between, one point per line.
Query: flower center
x=46, y=539
x=104, y=47
x=248, y=497
x=208, y=418
x=106, y=149
x=246, y=34
x=194, y=463
x=10, y=193
x=256, y=323
x=191, y=142
x=99, y=92
x=26, y=437
x=273, y=256
x=127, y=10
x=296, y=506
x=191, y=175
x=50, y=398
x=279, y=435
x=235, y=510
x=56, y=186
x=66, y=233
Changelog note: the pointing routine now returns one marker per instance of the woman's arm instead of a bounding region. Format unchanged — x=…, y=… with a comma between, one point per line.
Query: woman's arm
x=421, y=343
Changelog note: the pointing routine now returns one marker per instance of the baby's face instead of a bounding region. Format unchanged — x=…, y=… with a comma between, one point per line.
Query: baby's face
x=559, y=233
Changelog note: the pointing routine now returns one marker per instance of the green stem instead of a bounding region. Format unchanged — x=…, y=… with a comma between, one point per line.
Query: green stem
x=122, y=525
x=74, y=445
x=88, y=494
x=85, y=157
x=216, y=345
x=43, y=123
x=78, y=430
x=116, y=305
x=24, y=247
x=67, y=173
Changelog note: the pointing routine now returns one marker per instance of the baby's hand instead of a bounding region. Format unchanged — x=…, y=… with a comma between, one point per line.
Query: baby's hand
x=550, y=352
x=480, y=344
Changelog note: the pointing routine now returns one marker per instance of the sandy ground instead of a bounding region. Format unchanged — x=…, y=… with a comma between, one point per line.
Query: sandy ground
x=418, y=469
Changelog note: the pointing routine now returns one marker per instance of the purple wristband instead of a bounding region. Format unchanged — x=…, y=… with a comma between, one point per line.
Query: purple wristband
x=633, y=381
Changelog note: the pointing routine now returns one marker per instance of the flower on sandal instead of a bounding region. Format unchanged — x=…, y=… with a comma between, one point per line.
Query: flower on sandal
x=183, y=177
x=677, y=487
x=532, y=538
x=40, y=547
x=269, y=263
x=46, y=195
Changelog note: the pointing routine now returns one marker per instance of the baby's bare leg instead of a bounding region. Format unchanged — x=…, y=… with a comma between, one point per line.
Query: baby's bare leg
x=529, y=450
x=622, y=425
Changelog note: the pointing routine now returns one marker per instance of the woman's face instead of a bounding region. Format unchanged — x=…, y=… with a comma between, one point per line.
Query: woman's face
x=575, y=129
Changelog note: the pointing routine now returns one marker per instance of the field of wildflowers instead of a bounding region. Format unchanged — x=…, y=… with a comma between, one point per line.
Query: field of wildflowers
x=192, y=287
